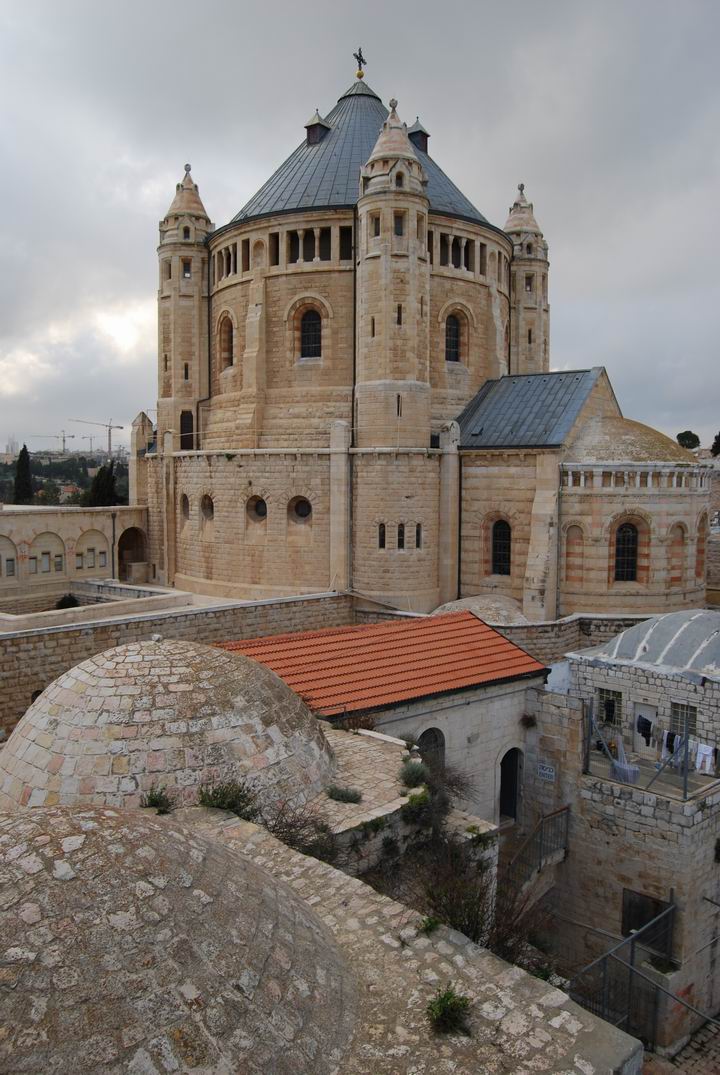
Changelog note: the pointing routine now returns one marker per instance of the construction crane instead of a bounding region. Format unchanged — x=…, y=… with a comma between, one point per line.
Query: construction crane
x=62, y=435
x=91, y=437
x=105, y=425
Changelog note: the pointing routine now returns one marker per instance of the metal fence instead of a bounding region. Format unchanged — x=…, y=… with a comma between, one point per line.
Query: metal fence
x=548, y=838
x=613, y=988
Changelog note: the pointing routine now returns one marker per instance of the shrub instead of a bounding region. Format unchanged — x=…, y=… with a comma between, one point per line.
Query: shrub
x=390, y=847
x=416, y=811
x=67, y=601
x=375, y=824
x=232, y=795
x=158, y=799
x=343, y=795
x=413, y=773
x=429, y=924
x=447, y=1011
x=301, y=828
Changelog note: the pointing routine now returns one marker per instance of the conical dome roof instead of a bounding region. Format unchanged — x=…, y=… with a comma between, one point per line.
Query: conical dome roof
x=393, y=141
x=187, y=201
x=326, y=175
x=522, y=218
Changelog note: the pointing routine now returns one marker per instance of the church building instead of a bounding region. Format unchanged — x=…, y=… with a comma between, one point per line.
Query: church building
x=354, y=394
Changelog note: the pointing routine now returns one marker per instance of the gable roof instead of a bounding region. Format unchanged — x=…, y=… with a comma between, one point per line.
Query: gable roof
x=327, y=174
x=373, y=666
x=531, y=410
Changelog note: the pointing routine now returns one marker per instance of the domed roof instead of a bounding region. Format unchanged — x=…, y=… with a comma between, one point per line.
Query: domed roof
x=521, y=216
x=168, y=713
x=326, y=174
x=611, y=440
x=687, y=642
x=393, y=141
x=134, y=945
x=491, y=608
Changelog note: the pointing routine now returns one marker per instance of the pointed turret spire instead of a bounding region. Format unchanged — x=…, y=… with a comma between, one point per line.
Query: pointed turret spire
x=393, y=141
x=521, y=218
x=187, y=201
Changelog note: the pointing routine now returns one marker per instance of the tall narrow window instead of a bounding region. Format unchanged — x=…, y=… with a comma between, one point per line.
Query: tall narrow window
x=501, y=547
x=227, y=343
x=372, y=326
x=399, y=225
x=399, y=314
x=626, y=553
x=399, y=180
x=311, y=335
x=381, y=535
x=346, y=244
x=401, y=536
x=529, y=283
x=375, y=226
x=398, y=405
x=186, y=233
x=418, y=535
x=529, y=335
x=452, y=339
x=483, y=259
x=431, y=246
x=274, y=247
x=186, y=372
x=245, y=254
x=187, y=439
x=187, y=268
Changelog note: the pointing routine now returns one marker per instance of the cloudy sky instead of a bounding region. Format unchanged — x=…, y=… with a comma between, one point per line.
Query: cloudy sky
x=608, y=111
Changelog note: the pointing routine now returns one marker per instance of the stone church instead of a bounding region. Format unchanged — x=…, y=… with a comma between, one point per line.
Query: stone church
x=354, y=394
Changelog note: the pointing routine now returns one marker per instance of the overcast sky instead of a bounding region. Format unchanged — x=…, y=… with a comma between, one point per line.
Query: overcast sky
x=608, y=111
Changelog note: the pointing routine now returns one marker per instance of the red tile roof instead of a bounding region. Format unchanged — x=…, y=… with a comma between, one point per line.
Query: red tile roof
x=346, y=669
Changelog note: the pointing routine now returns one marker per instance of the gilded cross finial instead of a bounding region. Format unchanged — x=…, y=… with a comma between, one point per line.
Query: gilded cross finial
x=360, y=61
x=521, y=188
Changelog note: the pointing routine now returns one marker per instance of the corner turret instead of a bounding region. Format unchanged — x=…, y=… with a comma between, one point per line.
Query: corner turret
x=530, y=321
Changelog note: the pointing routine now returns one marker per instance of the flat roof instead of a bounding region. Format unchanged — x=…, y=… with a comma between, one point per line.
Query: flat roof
x=377, y=665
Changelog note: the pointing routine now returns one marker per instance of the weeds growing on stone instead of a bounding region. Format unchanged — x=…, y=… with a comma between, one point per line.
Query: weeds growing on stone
x=158, y=799
x=343, y=795
x=429, y=924
x=413, y=773
x=232, y=795
x=447, y=1011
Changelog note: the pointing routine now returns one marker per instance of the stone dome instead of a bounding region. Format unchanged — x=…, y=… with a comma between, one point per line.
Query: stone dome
x=494, y=609
x=620, y=440
x=167, y=713
x=687, y=642
x=132, y=944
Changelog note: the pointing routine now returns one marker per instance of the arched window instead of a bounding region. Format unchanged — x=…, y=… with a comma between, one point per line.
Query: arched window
x=227, y=343
x=184, y=508
x=186, y=233
x=677, y=555
x=501, y=547
x=401, y=536
x=418, y=535
x=626, y=553
x=399, y=179
x=381, y=535
x=187, y=438
x=311, y=335
x=452, y=338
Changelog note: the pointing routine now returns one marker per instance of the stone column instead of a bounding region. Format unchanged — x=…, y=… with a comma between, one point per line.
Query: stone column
x=339, y=573
x=316, y=233
x=449, y=504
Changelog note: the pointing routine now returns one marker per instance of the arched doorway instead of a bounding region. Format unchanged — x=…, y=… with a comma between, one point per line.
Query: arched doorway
x=131, y=550
x=510, y=772
x=431, y=745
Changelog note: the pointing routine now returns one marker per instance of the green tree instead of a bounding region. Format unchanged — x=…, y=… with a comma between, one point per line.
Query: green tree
x=688, y=439
x=50, y=492
x=23, y=487
x=715, y=450
x=102, y=492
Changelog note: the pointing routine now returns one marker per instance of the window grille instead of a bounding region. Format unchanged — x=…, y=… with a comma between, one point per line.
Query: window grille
x=311, y=335
x=626, y=553
x=609, y=706
x=682, y=714
x=452, y=339
x=501, y=547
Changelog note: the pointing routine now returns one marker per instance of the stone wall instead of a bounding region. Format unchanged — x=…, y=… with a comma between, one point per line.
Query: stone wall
x=30, y=660
x=713, y=568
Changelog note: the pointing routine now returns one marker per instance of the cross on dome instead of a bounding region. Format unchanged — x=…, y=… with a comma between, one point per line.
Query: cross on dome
x=361, y=61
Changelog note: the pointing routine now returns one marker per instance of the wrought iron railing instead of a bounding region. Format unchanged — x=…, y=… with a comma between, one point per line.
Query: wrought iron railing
x=548, y=838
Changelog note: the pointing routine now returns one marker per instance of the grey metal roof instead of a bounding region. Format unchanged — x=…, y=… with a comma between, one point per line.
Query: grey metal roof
x=529, y=411
x=327, y=175
x=686, y=642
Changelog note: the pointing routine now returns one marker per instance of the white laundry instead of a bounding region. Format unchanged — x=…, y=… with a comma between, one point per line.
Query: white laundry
x=704, y=763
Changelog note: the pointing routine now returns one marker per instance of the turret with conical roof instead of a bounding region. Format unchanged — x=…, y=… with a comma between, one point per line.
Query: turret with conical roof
x=393, y=379
x=182, y=313
x=530, y=321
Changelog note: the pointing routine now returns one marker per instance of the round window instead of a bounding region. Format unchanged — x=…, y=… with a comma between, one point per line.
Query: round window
x=302, y=508
x=257, y=508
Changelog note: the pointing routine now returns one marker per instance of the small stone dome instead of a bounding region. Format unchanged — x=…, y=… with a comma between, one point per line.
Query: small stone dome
x=494, y=609
x=133, y=945
x=686, y=642
x=620, y=440
x=167, y=713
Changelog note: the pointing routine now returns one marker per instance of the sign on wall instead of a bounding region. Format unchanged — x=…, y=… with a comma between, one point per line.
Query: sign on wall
x=546, y=772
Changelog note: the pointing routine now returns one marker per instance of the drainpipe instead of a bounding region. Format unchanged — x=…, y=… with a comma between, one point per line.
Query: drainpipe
x=459, y=537
x=351, y=459
x=112, y=547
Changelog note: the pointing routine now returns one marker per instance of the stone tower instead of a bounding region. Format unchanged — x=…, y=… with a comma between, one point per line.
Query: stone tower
x=393, y=380
x=182, y=315
x=530, y=312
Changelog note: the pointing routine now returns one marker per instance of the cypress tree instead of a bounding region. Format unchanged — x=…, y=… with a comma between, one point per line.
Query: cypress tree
x=102, y=493
x=23, y=488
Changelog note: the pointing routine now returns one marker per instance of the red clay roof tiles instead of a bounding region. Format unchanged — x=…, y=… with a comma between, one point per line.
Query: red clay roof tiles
x=347, y=669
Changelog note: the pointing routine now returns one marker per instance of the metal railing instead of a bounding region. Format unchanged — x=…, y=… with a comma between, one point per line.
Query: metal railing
x=613, y=988
x=549, y=837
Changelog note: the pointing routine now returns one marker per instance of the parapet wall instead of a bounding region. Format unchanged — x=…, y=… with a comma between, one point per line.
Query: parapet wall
x=30, y=660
